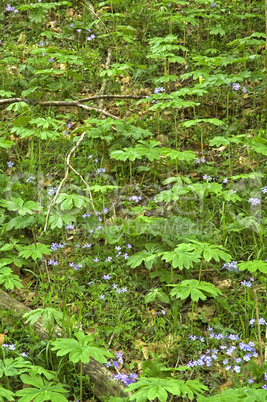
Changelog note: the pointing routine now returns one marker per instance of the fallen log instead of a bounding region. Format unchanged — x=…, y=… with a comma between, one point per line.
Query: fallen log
x=99, y=375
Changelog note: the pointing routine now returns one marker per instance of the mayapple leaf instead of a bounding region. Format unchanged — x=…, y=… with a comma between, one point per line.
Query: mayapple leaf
x=195, y=289
x=253, y=266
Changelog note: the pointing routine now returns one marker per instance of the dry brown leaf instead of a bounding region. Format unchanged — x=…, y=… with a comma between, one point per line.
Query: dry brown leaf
x=2, y=339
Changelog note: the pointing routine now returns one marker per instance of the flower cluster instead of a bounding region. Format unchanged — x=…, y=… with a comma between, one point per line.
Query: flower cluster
x=254, y=201
x=261, y=321
x=231, y=356
x=231, y=266
x=9, y=8
x=52, y=191
x=158, y=90
x=52, y=262
x=236, y=87
x=55, y=246
x=30, y=179
x=122, y=377
x=200, y=160
x=135, y=198
x=75, y=266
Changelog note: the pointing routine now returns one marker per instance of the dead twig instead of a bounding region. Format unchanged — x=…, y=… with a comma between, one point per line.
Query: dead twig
x=68, y=167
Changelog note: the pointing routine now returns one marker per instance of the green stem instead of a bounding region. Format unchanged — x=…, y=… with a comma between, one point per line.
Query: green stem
x=81, y=381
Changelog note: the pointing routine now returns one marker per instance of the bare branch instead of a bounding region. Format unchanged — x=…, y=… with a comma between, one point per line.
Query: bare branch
x=68, y=166
x=98, y=110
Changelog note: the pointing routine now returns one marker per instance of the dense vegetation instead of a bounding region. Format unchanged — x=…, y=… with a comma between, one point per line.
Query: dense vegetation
x=133, y=182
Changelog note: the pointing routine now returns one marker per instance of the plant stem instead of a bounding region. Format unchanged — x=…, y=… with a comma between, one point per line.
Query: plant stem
x=258, y=328
x=81, y=382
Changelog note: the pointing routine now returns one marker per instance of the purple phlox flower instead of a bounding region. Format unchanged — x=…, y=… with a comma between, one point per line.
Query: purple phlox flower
x=125, y=255
x=254, y=201
x=135, y=198
x=43, y=54
x=122, y=290
x=52, y=191
x=75, y=266
x=158, y=90
x=71, y=25
x=222, y=347
x=265, y=376
x=250, y=347
x=231, y=266
x=89, y=283
x=86, y=215
x=55, y=246
x=102, y=297
x=117, y=248
x=30, y=179
x=107, y=277
x=163, y=312
x=79, y=30
x=91, y=231
x=129, y=245
x=98, y=227
x=108, y=364
x=262, y=321
x=100, y=219
x=207, y=177
x=193, y=337
x=244, y=90
x=233, y=337
x=264, y=386
x=246, y=283
x=238, y=360
x=86, y=245
x=96, y=259
x=213, y=5
x=225, y=361
x=66, y=132
x=235, y=87
x=264, y=189
x=69, y=227
x=219, y=336
x=225, y=180
x=237, y=369
x=10, y=164
x=197, y=161
x=96, y=213
x=78, y=245
x=227, y=368
x=96, y=160
x=90, y=156
x=105, y=210
x=250, y=381
x=230, y=350
x=23, y=354
x=114, y=286
x=52, y=262
x=9, y=347
x=247, y=357
x=119, y=253
x=69, y=125
x=119, y=355
x=203, y=160
x=108, y=259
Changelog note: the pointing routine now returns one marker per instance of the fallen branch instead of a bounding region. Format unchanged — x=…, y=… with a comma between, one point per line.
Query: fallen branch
x=99, y=375
x=104, y=83
x=68, y=167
